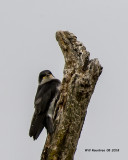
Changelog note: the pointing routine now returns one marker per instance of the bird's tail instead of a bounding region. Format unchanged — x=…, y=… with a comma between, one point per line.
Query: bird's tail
x=36, y=126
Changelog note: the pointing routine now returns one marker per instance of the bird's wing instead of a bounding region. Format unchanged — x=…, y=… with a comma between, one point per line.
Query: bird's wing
x=42, y=99
x=38, y=120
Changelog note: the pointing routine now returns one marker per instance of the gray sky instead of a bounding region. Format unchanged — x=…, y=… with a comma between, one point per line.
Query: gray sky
x=28, y=46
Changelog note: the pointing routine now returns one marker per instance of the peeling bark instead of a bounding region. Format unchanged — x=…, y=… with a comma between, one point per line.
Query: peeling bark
x=80, y=77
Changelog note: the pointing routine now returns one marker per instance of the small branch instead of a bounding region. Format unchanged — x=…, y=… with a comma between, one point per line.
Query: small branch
x=80, y=77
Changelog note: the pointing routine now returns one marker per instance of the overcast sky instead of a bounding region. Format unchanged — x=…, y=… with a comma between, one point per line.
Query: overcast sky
x=28, y=46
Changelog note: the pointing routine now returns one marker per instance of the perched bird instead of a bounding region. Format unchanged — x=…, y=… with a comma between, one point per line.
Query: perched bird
x=45, y=101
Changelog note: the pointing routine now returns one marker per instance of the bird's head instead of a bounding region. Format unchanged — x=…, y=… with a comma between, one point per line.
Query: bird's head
x=45, y=76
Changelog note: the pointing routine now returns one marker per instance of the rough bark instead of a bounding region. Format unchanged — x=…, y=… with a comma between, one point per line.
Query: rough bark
x=80, y=77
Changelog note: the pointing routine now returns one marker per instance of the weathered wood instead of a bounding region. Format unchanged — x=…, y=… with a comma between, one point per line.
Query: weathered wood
x=80, y=77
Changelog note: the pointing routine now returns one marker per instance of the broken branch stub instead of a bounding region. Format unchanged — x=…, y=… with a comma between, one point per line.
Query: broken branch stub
x=80, y=77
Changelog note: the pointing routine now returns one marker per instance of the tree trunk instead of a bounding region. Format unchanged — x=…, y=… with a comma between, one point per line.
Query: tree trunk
x=80, y=77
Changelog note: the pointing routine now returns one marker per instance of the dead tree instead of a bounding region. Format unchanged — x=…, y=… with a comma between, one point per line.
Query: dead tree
x=80, y=77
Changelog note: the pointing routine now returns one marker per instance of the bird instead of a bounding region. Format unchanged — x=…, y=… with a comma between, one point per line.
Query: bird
x=48, y=92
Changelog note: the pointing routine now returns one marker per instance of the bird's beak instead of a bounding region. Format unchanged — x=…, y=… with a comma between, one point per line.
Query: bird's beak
x=48, y=76
x=44, y=77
